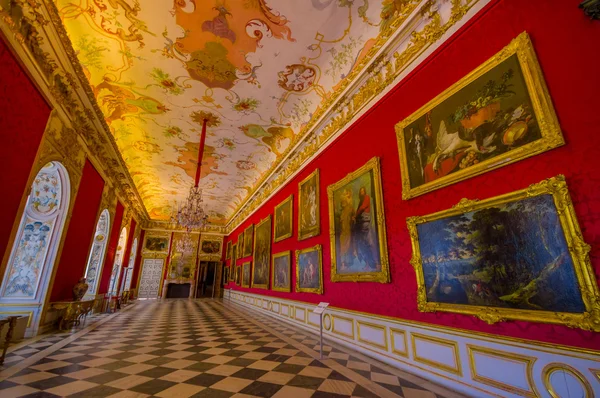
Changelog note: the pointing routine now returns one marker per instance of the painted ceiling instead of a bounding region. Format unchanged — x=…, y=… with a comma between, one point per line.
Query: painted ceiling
x=261, y=67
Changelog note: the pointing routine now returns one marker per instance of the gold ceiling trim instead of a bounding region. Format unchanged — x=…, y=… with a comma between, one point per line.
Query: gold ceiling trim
x=380, y=73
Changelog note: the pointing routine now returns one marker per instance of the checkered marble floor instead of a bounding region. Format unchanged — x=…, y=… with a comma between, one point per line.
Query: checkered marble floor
x=202, y=348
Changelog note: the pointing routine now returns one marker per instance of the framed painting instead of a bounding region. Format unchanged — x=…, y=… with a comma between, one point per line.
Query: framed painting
x=357, y=227
x=225, y=275
x=281, y=272
x=240, y=245
x=309, y=270
x=156, y=243
x=498, y=114
x=248, y=232
x=262, y=254
x=517, y=256
x=246, y=274
x=234, y=254
x=309, y=223
x=228, y=251
x=238, y=275
x=210, y=246
x=282, y=219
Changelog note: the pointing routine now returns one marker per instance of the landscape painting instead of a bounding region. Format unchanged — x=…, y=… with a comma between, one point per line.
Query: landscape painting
x=308, y=207
x=246, y=274
x=490, y=118
x=283, y=219
x=262, y=254
x=309, y=270
x=280, y=276
x=210, y=247
x=510, y=254
x=157, y=244
x=357, y=227
x=248, y=232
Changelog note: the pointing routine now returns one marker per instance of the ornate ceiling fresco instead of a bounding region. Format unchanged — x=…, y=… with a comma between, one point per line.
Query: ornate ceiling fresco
x=263, y=67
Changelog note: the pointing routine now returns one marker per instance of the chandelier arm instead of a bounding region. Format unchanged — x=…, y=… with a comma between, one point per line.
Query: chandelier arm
x=200, y=153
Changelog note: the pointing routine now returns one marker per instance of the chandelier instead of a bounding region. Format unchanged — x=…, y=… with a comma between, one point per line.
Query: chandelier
x=191, y=215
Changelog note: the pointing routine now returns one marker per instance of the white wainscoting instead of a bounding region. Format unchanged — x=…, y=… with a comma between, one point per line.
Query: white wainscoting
x=476, y=364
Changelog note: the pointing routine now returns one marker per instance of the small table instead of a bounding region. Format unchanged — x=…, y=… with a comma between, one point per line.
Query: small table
x=74, y=311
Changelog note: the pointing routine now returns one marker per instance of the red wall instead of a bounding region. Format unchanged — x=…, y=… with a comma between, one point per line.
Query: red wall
x=137, y=265
x=113, y=241
x=82, y=225
x=570, y=60
x=23, y=117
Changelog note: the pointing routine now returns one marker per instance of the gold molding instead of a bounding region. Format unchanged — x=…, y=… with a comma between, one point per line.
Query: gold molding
x=383, y=328
x=288, y=201
x=317, y=290
x=339, y=332
x=303, y=309
x=457, y=369
x=393, y=339
x=555, y=366
x=578, y=250
x=383, y=276
x=287, y=254
x=254, y=253
x=327, y=322
x=316, y=230
x=509, y=356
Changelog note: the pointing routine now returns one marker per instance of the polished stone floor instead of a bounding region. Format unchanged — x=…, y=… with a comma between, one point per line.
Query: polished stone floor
x=202, y=348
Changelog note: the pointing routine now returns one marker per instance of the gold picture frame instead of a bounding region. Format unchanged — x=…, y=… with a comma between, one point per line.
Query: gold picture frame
x=577, y=249
x=228, y=251
x=309, y=250
x=372, y=168
x=246, y=266
x=262, y=252
x=248, y=240
x=306, y=228
x=240, y=245
x=277, y=256
x=281, y=207
x=238, y=275
x=543, y=113
x=225, y=275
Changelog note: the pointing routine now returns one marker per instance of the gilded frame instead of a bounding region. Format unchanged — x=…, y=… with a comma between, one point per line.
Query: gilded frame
x=279, y=255
x=551, y=135
x=247, y=246
x=244, y=264
x=316, y=230
x=289, y=201
x=318, y=290
x=156, y=235
x=210, y=238
x=578, y=250
x=228, y=251
x=225, y=275
x=240, y=245
x=382, y=276
x=259, y=225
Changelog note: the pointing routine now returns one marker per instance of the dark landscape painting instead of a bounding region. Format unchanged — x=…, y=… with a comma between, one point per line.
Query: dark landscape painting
x=513, y=255
x=157, y=244
x=211, y=246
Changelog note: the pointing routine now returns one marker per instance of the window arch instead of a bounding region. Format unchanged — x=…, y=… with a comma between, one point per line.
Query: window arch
x=96, y=258
x=34, y=250
x=116, y=269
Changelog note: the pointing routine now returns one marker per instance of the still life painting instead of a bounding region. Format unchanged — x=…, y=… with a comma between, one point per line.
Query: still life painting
x=309, y=270
x=308, y=207
x=248, y=232
x=262, y=254
x=280, y=276
x=228, y=251
x=283, y=219
x=515, y=256
x=357, y=227
x=246, y=274
x=498, y=114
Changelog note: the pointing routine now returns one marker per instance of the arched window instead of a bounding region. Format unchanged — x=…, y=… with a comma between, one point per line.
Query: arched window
x=127, y=283
x=96, y=258
x=114, y=276
x=34, y=251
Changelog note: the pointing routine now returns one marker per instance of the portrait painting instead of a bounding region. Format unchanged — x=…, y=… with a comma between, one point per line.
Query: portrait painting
x=248, y=232
x=308, y=207
x=262, y=254
x=225, y=275
x=210, y=246
x=157, y=244
x=282, y=218
x=240, y=245
x=280, y=274
x=228, y=251
x=238, y=275
x=309, y=270
x=233, y=260
x=498, y=114
x=246, y=274
x=510, y=257
x=357, y=227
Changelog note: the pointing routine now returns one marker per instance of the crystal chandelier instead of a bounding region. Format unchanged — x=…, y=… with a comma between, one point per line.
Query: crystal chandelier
x=191, y=214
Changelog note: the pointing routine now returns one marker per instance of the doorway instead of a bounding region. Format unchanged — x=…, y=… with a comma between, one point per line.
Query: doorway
x=206, y=279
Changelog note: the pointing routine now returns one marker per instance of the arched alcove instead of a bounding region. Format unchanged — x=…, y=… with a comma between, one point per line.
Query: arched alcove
x=116, y=269
x=96, y=257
